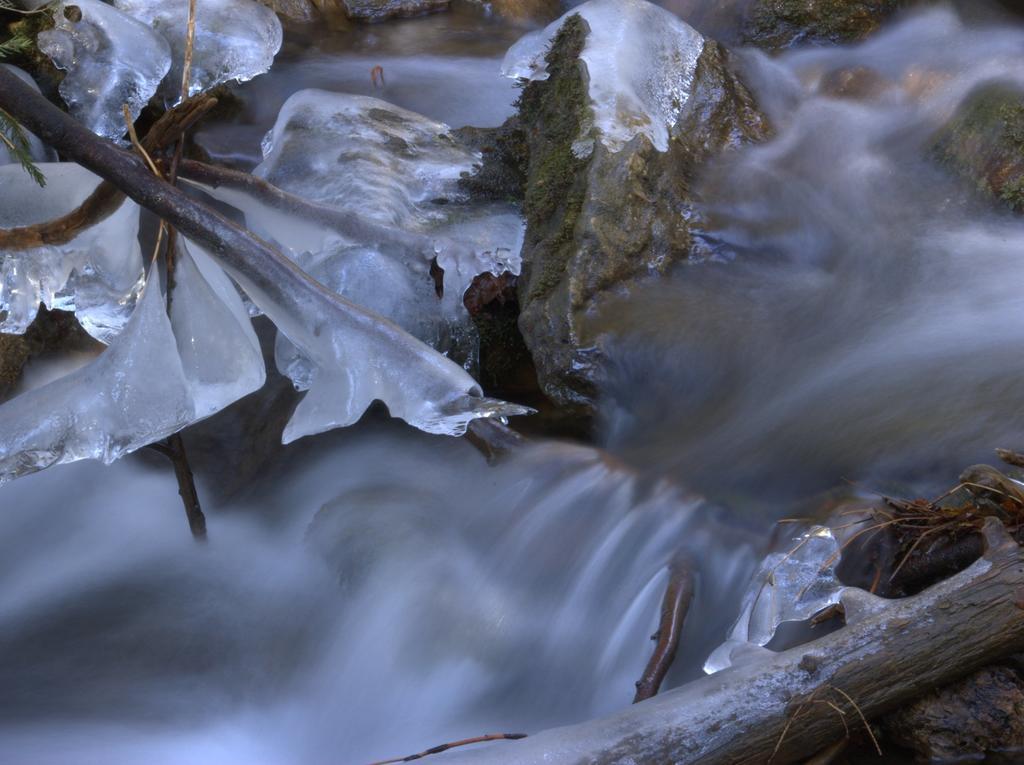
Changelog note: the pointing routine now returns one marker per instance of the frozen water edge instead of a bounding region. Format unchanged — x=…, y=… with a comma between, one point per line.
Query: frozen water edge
x=97, y=275
x=110, y=59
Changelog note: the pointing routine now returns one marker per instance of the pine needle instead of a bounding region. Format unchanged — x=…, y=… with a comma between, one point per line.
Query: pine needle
x=12, y=135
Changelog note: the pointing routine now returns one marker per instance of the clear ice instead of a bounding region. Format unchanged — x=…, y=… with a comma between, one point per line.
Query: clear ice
x=641, y=61
x=366, y=157
x=97, y=275
x=158, y=376
x=360, y=153
x=110, y=59
x=790, y=586
x=363, y=157
x=37, y=150
x=134, y=393
x=235, y=39
x=356, y=356
x=220, y=354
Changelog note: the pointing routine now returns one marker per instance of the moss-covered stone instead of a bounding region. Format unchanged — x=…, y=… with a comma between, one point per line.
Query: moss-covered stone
x=775, y=24
x=984, y=143
x=597, y=220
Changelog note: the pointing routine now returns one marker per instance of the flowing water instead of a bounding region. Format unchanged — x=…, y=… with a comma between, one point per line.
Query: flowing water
x=377, y=591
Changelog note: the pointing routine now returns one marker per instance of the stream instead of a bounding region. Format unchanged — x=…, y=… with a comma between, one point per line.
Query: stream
x=376, y=590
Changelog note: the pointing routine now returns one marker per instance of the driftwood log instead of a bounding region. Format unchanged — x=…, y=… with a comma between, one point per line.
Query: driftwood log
x=782, y=708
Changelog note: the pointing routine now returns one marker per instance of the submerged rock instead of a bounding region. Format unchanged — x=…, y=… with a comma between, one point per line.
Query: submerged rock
x=982, y=715
x=13, y=355
x=381, y=10
x=984, y=142
x=615, y=123
x=775, y=24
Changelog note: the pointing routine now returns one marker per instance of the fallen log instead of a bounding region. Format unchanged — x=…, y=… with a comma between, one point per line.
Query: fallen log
x=784, y=707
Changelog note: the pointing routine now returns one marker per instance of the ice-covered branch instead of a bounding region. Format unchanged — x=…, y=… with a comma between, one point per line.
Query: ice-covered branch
x=359, y=355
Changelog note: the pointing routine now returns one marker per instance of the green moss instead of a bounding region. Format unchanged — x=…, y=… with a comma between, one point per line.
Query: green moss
x=553, y=113
x=780, y=23
x=984, y=143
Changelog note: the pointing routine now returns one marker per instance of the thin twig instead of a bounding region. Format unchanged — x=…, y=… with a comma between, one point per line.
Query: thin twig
x=445, y=747
x=674, y=607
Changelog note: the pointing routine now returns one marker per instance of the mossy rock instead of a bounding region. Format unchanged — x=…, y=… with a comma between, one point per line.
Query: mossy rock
x=14, y=352
x=598, y=221
x=984, y=143
x=775, y=24
x=50, y=331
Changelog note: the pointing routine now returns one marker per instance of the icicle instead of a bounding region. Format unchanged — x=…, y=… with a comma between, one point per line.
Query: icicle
x=110, y=59
x=235, y=39
x=98, y=274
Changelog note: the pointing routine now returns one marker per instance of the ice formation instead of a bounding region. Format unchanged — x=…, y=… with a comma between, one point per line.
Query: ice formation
x=641, y=61
x=789, y=587
x=97, y=274
x=134, y=393
x=356, y=357
x=158, y=376
x=235, y=39
x=366, y=157
x=220, y=354
x=110, y=59
x=37, y=150
x=382, y=170
x=363, y=154
x=384, y=285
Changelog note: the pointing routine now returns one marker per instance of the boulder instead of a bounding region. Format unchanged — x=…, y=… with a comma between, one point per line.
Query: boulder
x=382, y=10
x=775, y=24
x=965, y=722
x=603, y=151
x=984, y=143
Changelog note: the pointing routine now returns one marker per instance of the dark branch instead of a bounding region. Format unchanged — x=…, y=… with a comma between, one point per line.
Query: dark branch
x=454, y=744
x=348, y=224
x=106, y=198
x=674, y=607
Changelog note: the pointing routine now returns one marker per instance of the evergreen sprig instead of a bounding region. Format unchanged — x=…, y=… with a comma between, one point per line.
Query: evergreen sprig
x=12, y=135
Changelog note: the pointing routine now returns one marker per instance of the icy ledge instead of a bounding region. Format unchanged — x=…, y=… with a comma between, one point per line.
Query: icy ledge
x=110, y=59
x=235, y=39
x=789, y=587
x=151, y=381
x=97, y=275
x=641, y=61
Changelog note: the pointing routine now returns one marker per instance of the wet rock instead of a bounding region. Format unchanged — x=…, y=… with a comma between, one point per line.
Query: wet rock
x=598, y=218
x=302, y=11
x=984, y=143
x=775, y=24
x=50, y=331
x=381, y=10
x=13, y=355
x=980, y=716
x=857, y=83
x=521, y=10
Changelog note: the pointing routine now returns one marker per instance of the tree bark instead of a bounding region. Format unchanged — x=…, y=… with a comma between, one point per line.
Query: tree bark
x=781, y=708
